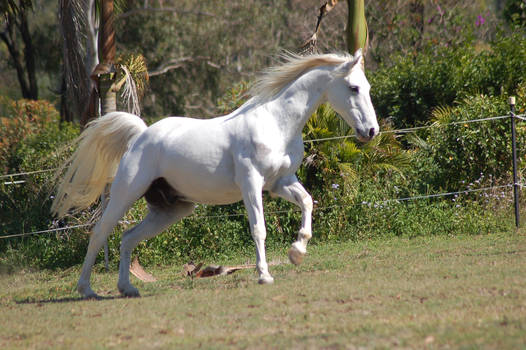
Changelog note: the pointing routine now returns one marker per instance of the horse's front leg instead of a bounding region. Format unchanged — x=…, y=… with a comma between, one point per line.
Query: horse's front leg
x=252, y=188
x=291, y=190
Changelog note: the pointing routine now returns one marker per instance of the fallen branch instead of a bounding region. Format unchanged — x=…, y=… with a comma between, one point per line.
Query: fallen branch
x=191, y=270
x=137, y=270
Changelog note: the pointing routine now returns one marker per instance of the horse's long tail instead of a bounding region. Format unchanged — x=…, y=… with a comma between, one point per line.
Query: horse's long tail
x=94, y=164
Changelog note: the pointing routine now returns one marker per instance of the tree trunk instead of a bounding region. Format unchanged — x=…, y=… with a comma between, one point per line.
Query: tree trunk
x=416, y=11
x=498, y=5
x=92, y=47
x=108, y=93
x=107, y=88
x=29, y=57
x=75, y=80
x=24, y=64
x=357, y=36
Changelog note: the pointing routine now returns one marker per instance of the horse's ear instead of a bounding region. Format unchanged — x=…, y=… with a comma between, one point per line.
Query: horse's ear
x=358, y=57
x=358, y=54
x=345, y=68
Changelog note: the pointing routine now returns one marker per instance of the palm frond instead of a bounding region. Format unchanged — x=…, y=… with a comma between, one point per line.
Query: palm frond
x=416, y=141
x=442, y=114
x=133, y=80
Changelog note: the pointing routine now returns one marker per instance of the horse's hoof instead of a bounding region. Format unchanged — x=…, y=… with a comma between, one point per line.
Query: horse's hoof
x=295, y=255
x=87, y=293
x=91, y=296
x=266, y=280
x=130, y=292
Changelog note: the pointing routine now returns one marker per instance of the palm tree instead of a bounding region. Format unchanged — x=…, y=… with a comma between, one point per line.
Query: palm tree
x=107, y=86
x=357, y=33
x=76, y=83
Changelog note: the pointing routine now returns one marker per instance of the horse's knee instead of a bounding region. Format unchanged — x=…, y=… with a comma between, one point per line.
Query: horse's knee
x=306, y=200
x=259, y=233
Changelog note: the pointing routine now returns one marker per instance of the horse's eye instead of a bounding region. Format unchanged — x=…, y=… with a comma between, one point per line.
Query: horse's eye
x=354, y=89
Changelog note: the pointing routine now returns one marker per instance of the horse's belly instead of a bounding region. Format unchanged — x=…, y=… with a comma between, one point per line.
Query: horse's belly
x=209, y=194
x=209, y=183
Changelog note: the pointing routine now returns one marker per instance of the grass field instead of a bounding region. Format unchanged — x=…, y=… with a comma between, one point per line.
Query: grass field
x=465, y=292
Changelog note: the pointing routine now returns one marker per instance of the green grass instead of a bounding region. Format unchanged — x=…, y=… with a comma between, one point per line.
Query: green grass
x=465, y=292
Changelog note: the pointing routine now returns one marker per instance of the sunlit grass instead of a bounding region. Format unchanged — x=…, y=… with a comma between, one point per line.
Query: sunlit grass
x=436, y=292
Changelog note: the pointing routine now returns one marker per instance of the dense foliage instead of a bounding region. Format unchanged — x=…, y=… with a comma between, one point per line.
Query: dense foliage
x=409, y=90
x=354, y=185
x=360, y=190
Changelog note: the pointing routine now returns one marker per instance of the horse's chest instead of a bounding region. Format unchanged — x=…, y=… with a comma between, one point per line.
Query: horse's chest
x=275, y=164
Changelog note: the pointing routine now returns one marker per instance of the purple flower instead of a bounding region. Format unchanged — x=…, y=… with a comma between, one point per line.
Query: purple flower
x=480, y=21
x=440, y=11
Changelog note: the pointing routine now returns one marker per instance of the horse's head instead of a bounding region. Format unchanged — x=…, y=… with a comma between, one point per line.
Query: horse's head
x=348, y=93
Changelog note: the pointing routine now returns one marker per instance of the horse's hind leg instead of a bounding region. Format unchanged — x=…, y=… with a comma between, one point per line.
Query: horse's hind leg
x=123, y=194
x=114, y=211
x=157, y=220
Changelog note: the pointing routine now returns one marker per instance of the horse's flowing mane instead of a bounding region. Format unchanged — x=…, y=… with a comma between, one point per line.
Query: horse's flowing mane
x=274, y=79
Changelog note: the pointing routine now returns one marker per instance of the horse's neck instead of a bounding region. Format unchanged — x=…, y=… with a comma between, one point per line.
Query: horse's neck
x=294, y=105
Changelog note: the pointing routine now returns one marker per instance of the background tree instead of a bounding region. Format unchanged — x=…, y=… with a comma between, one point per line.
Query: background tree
x=515, y=12
x=107, y=74
x=199, y=50
x=357, y=32
x=16, y=32
x=76, y=85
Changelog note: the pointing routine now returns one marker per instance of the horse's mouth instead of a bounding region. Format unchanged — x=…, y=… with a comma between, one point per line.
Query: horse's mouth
x=366, y=136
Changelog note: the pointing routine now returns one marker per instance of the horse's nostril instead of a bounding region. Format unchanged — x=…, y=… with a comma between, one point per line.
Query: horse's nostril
x=371, y=132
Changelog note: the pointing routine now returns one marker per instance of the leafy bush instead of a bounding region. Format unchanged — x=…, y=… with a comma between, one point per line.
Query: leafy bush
x=20, y=120
x=515, y=12
x=455, y=153
x=408, y=91
x=354, y=185
x=344, y=162
x=32, y=139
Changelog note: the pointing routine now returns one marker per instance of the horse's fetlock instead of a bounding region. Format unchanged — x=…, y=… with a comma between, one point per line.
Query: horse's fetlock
x=303, y=234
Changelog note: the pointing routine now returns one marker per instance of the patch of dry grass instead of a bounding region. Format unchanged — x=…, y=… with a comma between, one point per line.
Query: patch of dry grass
x=458, y=292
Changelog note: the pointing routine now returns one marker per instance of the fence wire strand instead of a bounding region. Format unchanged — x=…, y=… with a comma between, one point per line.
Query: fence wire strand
x=408, y=130
x=398, y=131
x=395, y=200
x=27, y=173
x=278, y=212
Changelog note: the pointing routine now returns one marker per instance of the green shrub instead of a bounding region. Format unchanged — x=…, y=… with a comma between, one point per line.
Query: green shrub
x=409, y=90
x=456, y=154
x=354, y=186
x=20, y=120
x=515, y=12
x=33, y=139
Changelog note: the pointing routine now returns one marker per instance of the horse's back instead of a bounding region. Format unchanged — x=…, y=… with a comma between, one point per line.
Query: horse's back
x=192, y=155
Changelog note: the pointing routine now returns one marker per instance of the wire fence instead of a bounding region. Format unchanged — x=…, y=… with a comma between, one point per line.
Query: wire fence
x=375, y=204
x=397, y=131
x=279, y=212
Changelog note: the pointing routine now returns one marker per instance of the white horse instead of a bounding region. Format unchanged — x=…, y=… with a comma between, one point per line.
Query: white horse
x=178, y=162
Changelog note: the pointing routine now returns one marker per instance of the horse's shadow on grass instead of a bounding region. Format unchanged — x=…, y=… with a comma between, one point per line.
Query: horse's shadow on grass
x=68, y=300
